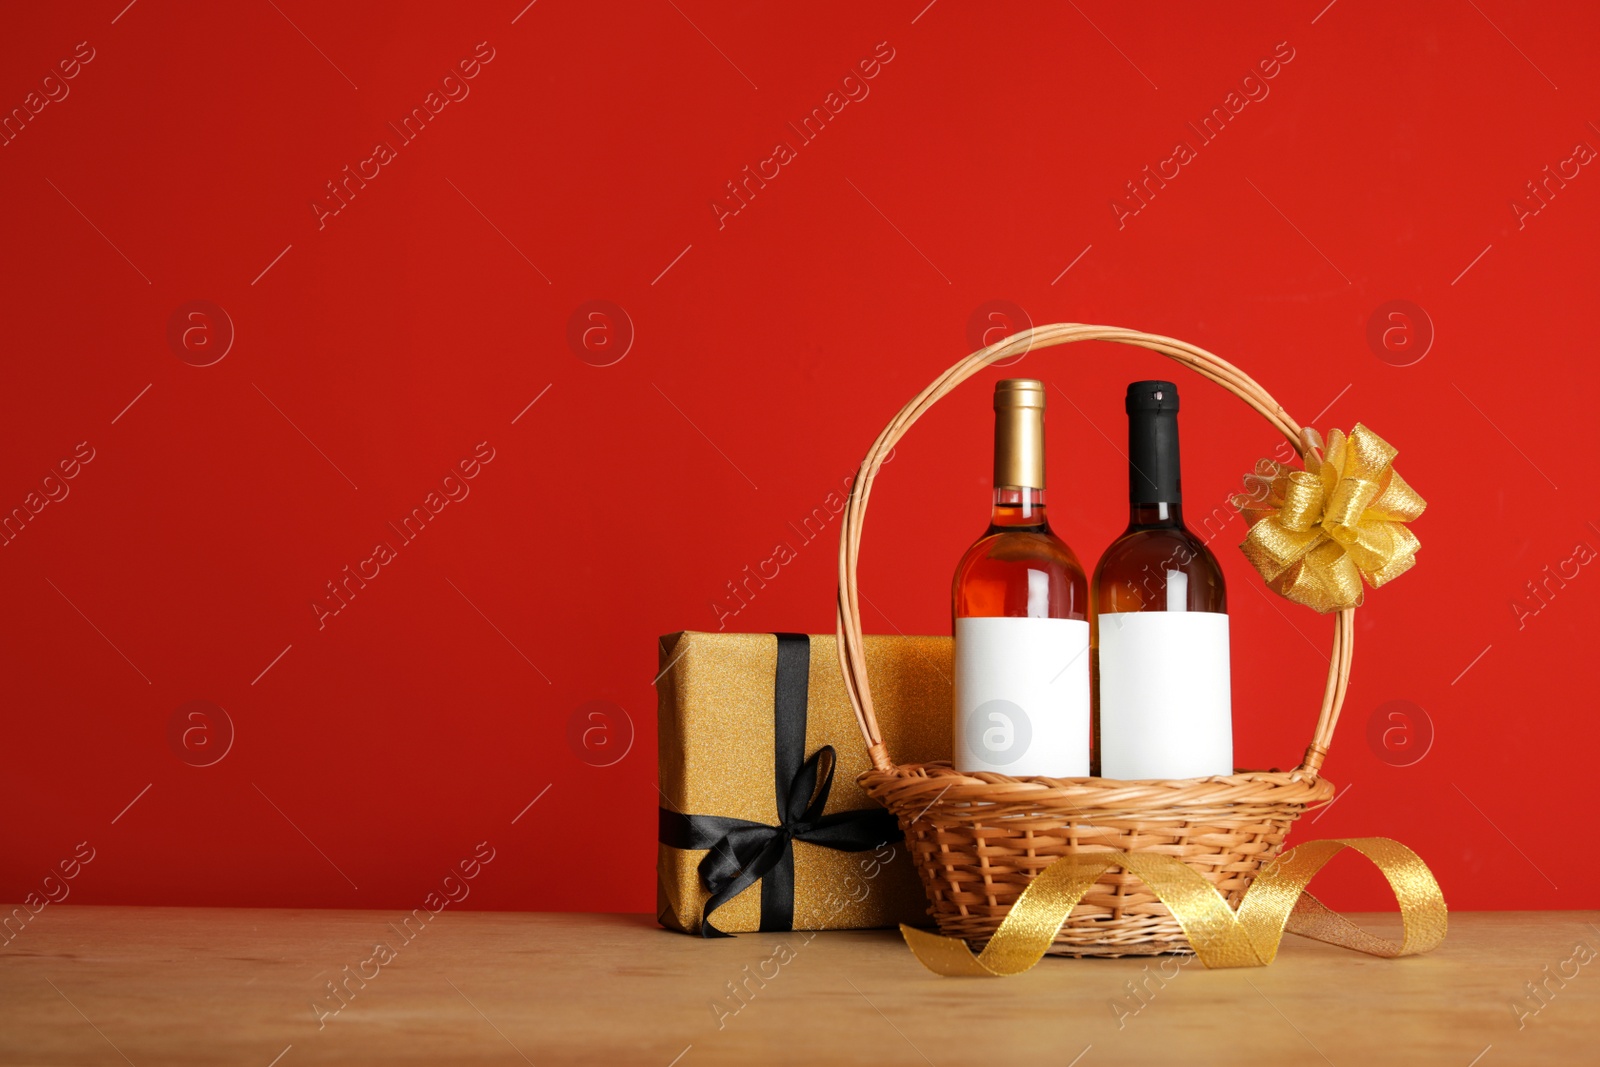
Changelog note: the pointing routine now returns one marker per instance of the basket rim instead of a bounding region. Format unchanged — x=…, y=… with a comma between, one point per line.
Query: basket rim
x=945, y=769
x=852, y=656
x=1143, y=798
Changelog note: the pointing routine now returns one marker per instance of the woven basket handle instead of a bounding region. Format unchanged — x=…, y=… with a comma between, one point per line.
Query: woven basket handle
x=853, y=659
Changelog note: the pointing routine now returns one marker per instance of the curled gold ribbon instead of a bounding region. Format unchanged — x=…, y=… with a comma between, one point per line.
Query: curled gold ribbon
x=1315, y=534
x=1276, y=901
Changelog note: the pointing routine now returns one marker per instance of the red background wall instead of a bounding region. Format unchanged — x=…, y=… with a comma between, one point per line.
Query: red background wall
x=375, y=347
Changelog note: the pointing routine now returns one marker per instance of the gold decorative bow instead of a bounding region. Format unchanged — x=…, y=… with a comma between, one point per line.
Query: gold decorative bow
x=1275, y=901
x=1316, y=533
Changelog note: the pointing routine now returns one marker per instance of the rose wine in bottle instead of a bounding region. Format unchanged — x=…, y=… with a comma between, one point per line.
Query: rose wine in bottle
x=1162, y=703
x=1021, y=613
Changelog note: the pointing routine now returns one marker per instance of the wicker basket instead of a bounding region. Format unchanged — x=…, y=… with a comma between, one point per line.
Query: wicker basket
x=978, y=839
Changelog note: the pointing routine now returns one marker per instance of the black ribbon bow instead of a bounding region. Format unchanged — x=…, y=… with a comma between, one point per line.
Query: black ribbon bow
x=741, y=851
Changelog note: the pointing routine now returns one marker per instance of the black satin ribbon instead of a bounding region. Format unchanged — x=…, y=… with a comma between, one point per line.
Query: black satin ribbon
x=742, y=852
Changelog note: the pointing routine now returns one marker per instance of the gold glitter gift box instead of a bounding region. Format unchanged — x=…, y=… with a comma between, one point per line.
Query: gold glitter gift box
x=760, y=814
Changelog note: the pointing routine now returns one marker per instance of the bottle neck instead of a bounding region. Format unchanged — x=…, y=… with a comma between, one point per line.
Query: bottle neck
x=1018, y=508
x=1155, y=516
x=1155, y=487
x=1019, y=441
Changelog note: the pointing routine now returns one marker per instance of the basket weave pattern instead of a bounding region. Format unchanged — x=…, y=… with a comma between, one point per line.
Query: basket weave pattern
x=978, y=839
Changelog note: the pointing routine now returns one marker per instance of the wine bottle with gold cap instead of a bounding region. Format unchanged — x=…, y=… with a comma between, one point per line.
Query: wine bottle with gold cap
x=1021, y=616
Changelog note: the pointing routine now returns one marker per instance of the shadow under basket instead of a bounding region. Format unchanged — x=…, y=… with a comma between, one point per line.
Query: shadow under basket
x=978, y=839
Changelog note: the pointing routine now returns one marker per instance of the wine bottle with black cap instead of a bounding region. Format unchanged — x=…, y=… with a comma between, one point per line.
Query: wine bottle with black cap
x=1020, y=601
x=1162, y=700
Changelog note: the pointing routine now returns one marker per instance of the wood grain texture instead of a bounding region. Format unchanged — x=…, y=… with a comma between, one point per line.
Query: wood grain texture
x=104, y=985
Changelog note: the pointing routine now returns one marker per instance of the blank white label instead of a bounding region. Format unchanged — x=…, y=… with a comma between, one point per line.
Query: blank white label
x=1166, y=709
x=1022, y=696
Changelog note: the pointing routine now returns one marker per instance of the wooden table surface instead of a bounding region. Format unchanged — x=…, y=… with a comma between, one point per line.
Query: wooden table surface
x=103, y=985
